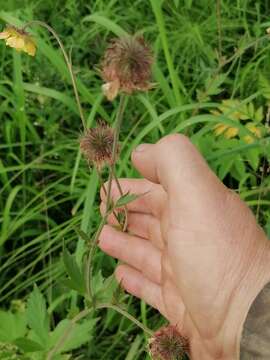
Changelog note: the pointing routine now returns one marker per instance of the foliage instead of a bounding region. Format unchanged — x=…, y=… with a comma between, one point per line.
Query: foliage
x=46, y=189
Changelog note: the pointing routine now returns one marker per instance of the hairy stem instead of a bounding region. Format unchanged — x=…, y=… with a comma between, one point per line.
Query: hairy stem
x=105, y=192
x=86, y=312
x=66, y=333
x=68, y=62
x=118, y=122
x=121, y=194
x=88, y=277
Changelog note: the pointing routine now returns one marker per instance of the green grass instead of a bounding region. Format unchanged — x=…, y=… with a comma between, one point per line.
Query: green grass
x=45, y=187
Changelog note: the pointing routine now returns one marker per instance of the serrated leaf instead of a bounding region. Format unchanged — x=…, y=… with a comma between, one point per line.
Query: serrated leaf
x=104, y=288
x=83, y=235
x=74, y=272
x=28, y=345
x=11, y=325
x=78, y=335
x=126, y=199
x=37, y=316
x=212, y=85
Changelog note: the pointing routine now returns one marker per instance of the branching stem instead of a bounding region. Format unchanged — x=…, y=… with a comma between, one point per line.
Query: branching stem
x=94, y=242
x=84, y=313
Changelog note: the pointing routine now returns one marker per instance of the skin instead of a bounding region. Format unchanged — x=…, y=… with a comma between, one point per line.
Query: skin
x=193, y=249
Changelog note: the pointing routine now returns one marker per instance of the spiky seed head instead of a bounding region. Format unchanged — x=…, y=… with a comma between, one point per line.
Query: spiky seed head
x=97, y=145
x=126, y=66
x=168, y=344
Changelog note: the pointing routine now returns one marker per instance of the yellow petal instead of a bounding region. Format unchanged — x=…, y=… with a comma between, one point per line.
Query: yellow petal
x=248, y=139
x=256, y=131
x=4, y=35
x=15, y=42
x=30, y=47
x=219, y=129
x=231, y=133
x=111, y=89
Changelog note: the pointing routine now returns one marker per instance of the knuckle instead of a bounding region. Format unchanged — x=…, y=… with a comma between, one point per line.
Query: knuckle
x=173, y=140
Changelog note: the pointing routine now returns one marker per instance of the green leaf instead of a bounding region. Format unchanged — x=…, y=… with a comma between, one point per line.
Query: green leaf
x=253, y=157
x=258, y=117
x=126, y=199
x=83, y=235
x=76, y=277
x=212, y=85
x=11, y=325
x=28, y=345
x=104, y=288
x=106, y=23
x=78, y=335
x=225, y=167
x=37, y=316
x=264, y=86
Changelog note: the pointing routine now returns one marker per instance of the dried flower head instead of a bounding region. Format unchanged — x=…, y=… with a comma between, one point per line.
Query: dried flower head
x=18, y=39
x=168, y=344
x=97, y=145
x=126, y=66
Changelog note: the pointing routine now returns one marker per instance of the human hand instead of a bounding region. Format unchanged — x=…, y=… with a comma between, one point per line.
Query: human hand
x=193, y=249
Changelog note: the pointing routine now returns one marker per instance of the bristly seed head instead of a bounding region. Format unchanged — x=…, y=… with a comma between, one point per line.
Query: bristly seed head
x=168, y=344
x=97, y=145
x=126, y=66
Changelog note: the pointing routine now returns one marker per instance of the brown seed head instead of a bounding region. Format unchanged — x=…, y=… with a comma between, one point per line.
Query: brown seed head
x=168, y=344
x=126, y=66
x=97, y=145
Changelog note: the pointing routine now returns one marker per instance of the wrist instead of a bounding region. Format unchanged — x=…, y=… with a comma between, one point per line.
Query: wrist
x=257, y=275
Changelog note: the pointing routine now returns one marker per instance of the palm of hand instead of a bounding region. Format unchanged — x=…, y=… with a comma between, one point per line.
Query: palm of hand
x=184, y=259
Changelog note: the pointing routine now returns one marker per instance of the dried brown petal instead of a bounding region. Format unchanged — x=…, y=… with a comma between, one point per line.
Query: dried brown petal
x=126, y=66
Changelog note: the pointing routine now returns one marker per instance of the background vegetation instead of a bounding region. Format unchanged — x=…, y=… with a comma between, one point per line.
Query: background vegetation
x=206, y=52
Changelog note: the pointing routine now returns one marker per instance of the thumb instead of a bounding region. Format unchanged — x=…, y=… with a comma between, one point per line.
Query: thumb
x=175, y=163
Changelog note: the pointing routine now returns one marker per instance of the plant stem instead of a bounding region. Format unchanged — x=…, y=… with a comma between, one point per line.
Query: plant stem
x=88, y=277
x=105, y=192
x=68, y=62
x=64, y=337
x=127, y=315
x=118, y=122
x=86, y=312
x=121, y=194
x=218, y=13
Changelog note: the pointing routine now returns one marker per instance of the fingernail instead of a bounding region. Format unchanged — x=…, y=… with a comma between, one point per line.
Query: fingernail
x=141, y=148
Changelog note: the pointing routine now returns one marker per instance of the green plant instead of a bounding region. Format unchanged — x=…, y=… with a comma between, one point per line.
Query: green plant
x=46, y=189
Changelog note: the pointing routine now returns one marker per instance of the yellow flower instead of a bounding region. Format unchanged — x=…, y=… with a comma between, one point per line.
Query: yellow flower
x=228, y=131
x=19, y=40
x=255, y=130
x=219, y=129
x=231, y=132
